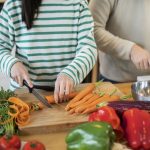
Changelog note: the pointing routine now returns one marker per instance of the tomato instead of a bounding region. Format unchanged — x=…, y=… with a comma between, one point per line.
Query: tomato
x=8, y=142
x=34, y=145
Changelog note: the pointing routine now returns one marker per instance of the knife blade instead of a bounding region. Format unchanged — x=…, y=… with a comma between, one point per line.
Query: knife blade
x=37, y=95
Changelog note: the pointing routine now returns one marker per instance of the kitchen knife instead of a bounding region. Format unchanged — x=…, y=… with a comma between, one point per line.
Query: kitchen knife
x=37, y=95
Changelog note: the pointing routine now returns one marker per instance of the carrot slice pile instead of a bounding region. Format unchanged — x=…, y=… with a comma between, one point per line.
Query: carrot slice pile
x=19, y=111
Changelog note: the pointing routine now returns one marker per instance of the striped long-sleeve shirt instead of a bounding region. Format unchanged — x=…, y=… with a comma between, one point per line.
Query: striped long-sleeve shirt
x=60, y=41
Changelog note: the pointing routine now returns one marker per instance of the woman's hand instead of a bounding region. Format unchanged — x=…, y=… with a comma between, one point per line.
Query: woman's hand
x=140, y=57
x=20, y=73
x=63, y=86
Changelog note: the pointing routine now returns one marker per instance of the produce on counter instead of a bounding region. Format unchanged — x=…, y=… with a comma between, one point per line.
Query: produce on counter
x=88, y=103
x=121, y=106
x=86, y=100
x=137, y=128
x=34, y=145
x=13, y=112
x=19, y=111
x=10, y=142
x=50, y=98
x=81, y=94
x=106, y=114
x=91, y=136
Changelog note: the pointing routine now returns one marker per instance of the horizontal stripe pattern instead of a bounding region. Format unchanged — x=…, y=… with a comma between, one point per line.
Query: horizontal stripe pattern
x=60, y=41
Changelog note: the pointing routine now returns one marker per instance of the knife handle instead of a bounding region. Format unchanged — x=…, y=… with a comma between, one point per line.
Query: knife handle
x=46, y=88
x=26, y=84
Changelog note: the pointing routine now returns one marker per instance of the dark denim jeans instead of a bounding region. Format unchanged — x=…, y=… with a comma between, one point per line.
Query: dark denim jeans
x=107, y=80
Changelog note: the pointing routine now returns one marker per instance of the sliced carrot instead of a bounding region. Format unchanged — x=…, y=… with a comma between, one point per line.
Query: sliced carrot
x=22, y=116
x=51, y=99
x=81, y=94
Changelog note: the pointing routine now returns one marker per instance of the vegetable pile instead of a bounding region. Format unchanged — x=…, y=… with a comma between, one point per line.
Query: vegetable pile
x=87, y=99
x=13, y=112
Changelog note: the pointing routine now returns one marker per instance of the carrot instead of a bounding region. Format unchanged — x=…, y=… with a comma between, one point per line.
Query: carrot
x=72, y=111
x=94, y=108
x=88, y=105
x=40, y=105
x=90, y=110
x=81, y=108
x=51, y=99
x=21, y=115
x=114, y=98
x=87, y=97
x=81, y=94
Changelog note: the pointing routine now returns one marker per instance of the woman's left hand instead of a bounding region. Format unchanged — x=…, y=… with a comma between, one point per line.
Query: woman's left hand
x=63, y=86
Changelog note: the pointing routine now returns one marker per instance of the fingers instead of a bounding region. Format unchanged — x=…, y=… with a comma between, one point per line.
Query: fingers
x=140, y=57
x=27, y=79
x=63, y=86
x=19, y=73
x=20, y=81
x=56, y=92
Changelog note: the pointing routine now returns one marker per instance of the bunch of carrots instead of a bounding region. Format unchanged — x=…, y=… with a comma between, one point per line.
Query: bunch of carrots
x=86, y=100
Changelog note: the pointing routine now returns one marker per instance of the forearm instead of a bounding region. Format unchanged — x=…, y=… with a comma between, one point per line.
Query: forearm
x=106, y=41
x=6, y=61
x=111, y=44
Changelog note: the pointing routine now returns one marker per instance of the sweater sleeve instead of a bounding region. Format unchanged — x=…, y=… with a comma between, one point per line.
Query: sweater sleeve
x=106, y=41
x=6, y=42
x=86, y=52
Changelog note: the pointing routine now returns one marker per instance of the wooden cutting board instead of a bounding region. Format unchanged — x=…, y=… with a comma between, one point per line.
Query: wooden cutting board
x=54, y=119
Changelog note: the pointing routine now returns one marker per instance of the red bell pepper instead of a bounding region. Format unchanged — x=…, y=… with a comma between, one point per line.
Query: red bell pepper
x=137, y=128
x=106, y=114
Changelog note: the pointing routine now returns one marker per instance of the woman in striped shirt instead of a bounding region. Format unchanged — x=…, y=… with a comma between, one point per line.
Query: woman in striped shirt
x=53, y=42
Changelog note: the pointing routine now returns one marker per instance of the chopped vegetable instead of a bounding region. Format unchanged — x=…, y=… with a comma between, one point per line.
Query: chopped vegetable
x=21, y=115
x=51, y=99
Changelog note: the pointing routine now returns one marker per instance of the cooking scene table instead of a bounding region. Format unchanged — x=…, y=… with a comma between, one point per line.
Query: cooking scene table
x=55, y=139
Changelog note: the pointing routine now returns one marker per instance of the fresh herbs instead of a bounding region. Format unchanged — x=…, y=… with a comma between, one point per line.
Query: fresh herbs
x=5, y=94
x=6, y=121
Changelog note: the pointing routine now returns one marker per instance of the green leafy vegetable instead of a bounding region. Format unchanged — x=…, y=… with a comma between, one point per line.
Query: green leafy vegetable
x=6, y=122
x=5, y=94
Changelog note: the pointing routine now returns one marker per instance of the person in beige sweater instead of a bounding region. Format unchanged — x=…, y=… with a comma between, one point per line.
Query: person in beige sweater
x=122, y=33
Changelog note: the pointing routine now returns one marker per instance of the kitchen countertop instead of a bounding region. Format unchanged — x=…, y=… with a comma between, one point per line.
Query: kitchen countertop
x=56, y=141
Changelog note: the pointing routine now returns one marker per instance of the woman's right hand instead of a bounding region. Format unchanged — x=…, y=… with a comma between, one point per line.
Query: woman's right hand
x=20, y=73
x=140, y=57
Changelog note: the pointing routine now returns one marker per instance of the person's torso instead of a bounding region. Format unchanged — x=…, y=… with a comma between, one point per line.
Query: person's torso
x=50, y=45
x=129, y=20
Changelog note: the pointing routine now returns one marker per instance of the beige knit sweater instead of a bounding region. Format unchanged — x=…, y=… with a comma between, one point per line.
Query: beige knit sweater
x=118, y=25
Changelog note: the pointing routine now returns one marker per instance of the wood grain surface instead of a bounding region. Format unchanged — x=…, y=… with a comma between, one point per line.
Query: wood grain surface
x=54, y=119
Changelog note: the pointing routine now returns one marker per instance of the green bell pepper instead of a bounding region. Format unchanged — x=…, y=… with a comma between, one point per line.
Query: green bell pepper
x=91, y=136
